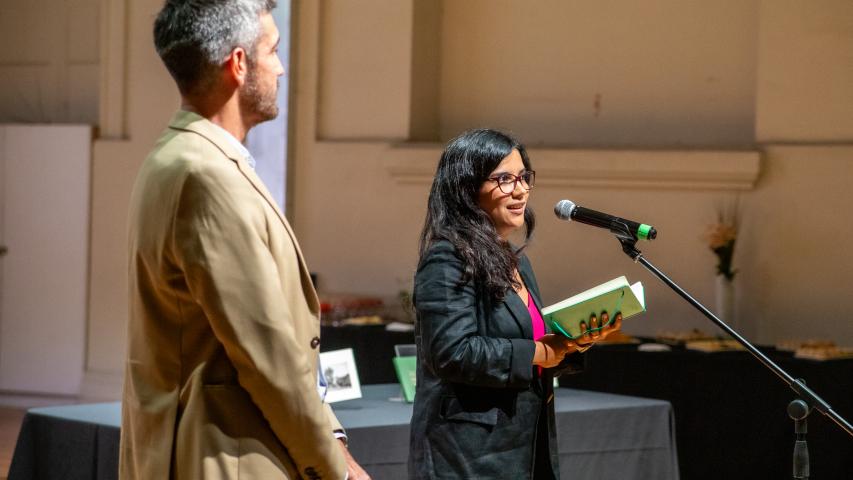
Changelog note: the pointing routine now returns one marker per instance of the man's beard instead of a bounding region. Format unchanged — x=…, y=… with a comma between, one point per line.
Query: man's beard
x=254, y=102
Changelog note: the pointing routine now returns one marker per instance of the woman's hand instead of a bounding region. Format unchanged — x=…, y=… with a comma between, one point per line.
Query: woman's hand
x=552, y=348
x=587, y=339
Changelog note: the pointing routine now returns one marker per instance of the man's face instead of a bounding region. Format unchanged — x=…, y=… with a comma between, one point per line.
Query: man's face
x=258, y=96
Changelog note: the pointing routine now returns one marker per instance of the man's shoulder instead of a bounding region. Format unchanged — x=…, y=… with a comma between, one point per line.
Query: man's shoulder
x=184, y=150
x=173, y=141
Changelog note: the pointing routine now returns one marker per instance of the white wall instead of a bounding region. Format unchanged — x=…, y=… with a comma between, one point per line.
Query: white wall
x=768, y=76
x=805, y=72
x=609, y=74
x=686, y=76
x=44, y=224
x=796, y=271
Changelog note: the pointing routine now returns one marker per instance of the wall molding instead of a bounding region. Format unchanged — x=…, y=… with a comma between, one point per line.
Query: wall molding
x=113, y=55
x=644, y=169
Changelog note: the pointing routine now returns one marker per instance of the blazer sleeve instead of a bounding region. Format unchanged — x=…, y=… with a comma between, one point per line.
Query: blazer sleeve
x=453, y=347
x=220, y=242
x=333, y=420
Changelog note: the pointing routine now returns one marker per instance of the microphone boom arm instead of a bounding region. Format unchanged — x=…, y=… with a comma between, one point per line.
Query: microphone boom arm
x=798, y=386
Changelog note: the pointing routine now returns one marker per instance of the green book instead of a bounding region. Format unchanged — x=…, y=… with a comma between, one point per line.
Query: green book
x=613, y=296
x=406, y=374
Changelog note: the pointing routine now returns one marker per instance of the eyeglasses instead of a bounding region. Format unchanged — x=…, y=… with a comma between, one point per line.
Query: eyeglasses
x=507, y=181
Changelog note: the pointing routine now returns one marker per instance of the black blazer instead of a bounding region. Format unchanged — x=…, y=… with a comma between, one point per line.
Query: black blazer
x=481, y=409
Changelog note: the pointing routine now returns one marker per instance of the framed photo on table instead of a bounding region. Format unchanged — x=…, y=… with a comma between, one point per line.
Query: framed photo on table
x=338, y=368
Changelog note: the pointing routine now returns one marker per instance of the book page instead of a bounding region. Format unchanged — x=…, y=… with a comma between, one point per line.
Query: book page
x=637, y=288
x=614, y=296
x=593, y=292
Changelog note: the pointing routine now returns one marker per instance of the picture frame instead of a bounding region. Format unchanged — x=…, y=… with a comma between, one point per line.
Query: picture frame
x=338, y=367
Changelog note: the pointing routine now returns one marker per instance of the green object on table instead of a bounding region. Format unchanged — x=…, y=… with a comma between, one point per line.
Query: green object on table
x=406, y=368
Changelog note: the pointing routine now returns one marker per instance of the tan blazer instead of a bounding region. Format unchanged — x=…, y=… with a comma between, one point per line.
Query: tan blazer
x=221, y=373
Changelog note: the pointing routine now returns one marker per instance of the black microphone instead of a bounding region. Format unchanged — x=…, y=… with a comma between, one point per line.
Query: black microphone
x=567, y=210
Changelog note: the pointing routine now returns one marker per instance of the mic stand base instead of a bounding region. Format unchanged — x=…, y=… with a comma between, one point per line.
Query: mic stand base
x=798, y=410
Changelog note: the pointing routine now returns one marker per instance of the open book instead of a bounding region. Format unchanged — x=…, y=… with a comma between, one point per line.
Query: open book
x=613, y=296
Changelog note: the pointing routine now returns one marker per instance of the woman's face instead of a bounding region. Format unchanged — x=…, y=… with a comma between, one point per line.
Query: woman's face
x=505, y=209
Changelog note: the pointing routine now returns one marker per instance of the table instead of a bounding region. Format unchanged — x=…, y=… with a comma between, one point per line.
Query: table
x=602, y=436
x=730, y=412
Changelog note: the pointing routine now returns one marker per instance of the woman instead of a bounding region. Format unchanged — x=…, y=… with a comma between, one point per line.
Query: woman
x=484, y=399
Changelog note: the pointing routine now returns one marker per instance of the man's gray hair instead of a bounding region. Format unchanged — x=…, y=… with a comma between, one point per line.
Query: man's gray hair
x=195, y=37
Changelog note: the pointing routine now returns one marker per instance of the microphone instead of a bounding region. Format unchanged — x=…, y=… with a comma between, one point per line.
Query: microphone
x=567, y=210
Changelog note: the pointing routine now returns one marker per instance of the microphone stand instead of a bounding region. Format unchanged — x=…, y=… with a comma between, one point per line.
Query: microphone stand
x=805, y=394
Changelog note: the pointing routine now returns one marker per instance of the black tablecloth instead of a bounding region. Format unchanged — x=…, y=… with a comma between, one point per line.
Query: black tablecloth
x=600, y=436
x=373, y=349
x=75, y=442
x=730, y=410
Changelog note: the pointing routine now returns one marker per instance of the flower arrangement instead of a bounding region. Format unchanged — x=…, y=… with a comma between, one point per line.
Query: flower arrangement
x=721, y=237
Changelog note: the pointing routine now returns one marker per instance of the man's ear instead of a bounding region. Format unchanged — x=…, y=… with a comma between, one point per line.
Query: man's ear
x=237, y=66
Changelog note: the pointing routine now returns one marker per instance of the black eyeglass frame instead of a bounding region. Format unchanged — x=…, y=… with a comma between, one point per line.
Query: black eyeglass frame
x=516, y=179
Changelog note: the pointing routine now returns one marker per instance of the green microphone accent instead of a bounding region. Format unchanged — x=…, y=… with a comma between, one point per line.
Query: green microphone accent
x=643, y=231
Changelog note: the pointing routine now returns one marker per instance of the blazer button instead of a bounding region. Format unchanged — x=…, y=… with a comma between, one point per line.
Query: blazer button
x=315, y=342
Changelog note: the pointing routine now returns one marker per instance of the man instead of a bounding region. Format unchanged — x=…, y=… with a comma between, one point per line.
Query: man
x=222, y=369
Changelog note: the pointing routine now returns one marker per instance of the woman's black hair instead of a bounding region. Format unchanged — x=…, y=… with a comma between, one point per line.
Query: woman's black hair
x=453, y=212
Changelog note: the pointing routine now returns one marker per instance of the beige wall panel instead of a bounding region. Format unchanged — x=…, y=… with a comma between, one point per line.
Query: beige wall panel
x=114, y=170
x=797, y=269
x=152, y=95
x=82, y=93
x=83, y=28
x=666, y=72
x=426, y=64
x=27, y=94
x=152, y=98
x=15, y=33
x=30, y=30
x=805, y=79
x=360, y=229
x=50, y=51
x=365, y=69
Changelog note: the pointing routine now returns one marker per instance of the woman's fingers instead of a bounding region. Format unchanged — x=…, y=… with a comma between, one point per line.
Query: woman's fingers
x=617, y=322
x=584, y=337
x=594, y=325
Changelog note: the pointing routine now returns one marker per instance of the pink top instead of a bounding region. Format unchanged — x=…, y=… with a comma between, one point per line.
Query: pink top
x=538, y=323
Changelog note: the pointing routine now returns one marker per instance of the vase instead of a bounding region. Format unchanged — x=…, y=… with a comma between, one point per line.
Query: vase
x=725, y=301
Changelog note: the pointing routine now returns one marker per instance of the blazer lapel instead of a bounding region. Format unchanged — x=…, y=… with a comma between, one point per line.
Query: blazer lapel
x=543, y=382
x=532, y=288
x=519, y=313
x=529, y=281
x=310, y=292
x=193, y=122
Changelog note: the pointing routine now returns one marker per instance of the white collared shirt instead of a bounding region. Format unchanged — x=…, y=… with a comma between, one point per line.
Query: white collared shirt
x=238, y=145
